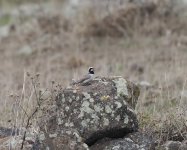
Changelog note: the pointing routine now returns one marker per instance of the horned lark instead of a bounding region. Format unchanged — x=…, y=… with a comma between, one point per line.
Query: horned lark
x=87, y=78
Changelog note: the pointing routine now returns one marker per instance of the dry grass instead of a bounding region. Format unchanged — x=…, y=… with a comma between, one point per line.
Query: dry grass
x=154, y=51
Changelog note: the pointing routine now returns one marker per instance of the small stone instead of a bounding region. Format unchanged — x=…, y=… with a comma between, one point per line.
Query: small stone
x=53, y=135
x=172, y=145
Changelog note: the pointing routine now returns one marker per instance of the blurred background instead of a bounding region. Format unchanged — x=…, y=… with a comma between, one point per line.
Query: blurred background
x=144, y=41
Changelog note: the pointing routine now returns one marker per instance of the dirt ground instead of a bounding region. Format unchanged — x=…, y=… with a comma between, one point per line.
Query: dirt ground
x=58, y=48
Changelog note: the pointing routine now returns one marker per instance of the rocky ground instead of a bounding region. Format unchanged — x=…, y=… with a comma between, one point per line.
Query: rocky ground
x=44, y=45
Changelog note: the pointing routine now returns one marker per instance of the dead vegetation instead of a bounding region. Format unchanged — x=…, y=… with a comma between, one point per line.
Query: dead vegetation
x=123, y=22
x=149, y=18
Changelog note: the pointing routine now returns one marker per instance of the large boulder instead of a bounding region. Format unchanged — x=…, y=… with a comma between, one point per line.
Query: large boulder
x=85, y=114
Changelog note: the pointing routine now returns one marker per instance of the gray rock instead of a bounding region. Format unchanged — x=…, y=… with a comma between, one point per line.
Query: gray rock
x=102, y=108
x=172, y=145
x=134, y=141
x=183, y=145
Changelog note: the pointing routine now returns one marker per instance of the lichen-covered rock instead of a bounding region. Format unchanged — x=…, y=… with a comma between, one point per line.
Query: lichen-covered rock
x=133, y=141
x=102, y=108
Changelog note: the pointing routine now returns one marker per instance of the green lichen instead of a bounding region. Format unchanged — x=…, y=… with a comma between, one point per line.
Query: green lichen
x=106, y=122
x=86, y=95
x=41, y=137
x=118, y=104
x=108, y=109
x=98, y=108
x=121, y=85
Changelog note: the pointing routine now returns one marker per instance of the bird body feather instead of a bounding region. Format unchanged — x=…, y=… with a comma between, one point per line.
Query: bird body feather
x=85, y=79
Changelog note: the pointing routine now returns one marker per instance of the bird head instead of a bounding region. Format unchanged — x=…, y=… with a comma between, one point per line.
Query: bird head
x=91, y=70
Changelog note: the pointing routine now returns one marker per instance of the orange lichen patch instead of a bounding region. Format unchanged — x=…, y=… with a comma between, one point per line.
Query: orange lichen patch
x=105, y=97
